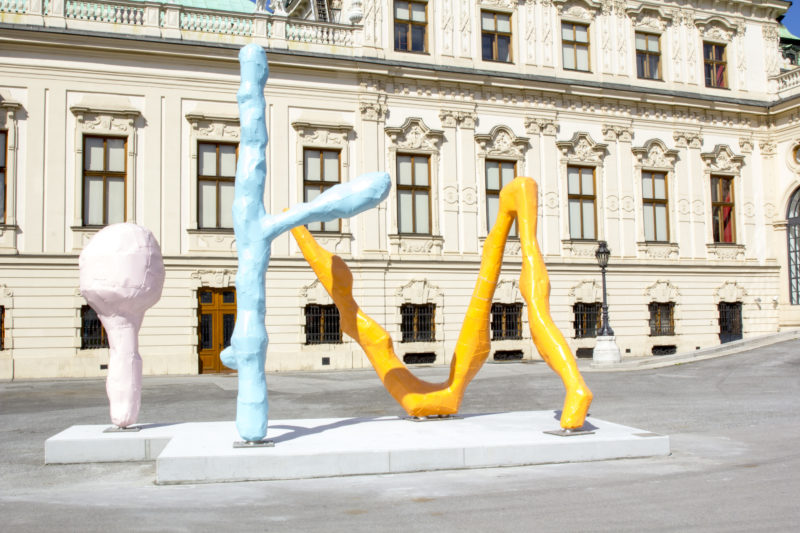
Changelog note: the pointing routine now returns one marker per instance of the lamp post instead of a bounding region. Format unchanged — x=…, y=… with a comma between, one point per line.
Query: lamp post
x=606, y=350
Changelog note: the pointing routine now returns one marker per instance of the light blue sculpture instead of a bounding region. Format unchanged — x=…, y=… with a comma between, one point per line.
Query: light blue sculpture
x=255, y=231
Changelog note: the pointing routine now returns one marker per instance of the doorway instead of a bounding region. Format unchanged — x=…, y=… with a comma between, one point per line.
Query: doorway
x=216, y=316
x=730, y=322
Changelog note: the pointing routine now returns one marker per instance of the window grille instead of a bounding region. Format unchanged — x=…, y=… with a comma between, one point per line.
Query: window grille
x=662, y=319
x=323, y=325
x=417, y=322
x=93, y=334
x=506, y=321
x=730, y=321
x=587, y=319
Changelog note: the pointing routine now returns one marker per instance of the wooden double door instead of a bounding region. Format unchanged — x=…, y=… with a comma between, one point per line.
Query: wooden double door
x=216, y=317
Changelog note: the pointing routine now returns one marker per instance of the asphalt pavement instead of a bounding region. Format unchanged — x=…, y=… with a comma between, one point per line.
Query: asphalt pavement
x=733, y=421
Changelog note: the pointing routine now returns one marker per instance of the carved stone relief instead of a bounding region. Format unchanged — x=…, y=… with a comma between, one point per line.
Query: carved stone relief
x=545, y=126
x=655, y=154
x=501, y=141
x=662, y=291
x=415, y=135
x=587, y=291
x=218, y=278
x=315, y=293
x=617, y=133
x=582, y=149
x=722, y=159
x=419, y=291
x=688, y=139
x=730, y=291
x=507, y=291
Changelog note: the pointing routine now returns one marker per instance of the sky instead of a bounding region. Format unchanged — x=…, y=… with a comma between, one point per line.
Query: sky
x=792, y=18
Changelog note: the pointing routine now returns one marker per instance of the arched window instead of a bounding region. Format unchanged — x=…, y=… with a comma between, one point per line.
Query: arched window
x=793, y=245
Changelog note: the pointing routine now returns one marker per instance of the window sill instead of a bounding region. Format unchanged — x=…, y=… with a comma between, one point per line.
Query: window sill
x=577, y=70
x=8, y=238
x=412, y=244
x=500, y=61
x=725, y=251
x=207, y=231
x=579, y=248
x=424, y=53
x=658, y=250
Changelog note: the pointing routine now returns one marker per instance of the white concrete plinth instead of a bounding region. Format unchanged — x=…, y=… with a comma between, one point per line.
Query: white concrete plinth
x=606, y=351
x=204, y=452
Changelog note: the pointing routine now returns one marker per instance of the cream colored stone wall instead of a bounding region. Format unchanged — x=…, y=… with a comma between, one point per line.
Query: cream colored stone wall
x=372, y=102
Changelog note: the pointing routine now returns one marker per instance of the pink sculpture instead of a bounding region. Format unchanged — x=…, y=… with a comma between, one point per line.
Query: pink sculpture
x=122, y=274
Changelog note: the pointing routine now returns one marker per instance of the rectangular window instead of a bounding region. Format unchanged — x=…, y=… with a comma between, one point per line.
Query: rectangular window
x=662, y=320
x=581, y=193
x=418, y=322
x=216, y=174
x=654, y=199
x=498, y=175
x=722, y=209
x=648, y=56
x=3, y=148
x=714, y=63
x=506, y=322
x=323, y=325
x=104, y=173
x=587, y=319
x=413, y=194
x=93, y=334
x=496, y=36
x=411, y=27
x=575, y=46
x=321, y=171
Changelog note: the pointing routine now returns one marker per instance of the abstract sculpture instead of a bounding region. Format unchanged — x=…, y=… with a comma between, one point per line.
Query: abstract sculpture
x=121, y=276
x=518, y=200
x=255, y=230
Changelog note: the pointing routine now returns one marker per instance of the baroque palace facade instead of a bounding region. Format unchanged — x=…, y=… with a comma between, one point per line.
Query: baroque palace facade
x=669, y=129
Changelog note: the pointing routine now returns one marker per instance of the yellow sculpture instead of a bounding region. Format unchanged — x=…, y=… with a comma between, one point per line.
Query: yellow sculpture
x=419, y=398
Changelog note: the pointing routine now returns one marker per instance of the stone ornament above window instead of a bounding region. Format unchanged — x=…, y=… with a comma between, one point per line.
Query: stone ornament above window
x=219, y=278
x=655, y=155
x=415, y=135
x=662, y=292
x=730, y=291
x=322, y=135
x=718, y=29
x=722, y=159
x=419, y=291
x=579, y=10
x=314, y=293
x=504, y=4
x=617, y=133
x=649, y=18
x=214, y=127
x=581, y=148
x=501, y=141
x=587, y=291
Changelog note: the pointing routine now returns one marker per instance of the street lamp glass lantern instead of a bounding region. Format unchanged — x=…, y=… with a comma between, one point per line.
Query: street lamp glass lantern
x=602, y=254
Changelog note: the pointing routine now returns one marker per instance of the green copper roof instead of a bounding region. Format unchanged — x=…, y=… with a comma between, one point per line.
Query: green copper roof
x=784, y=33
x=233, y=6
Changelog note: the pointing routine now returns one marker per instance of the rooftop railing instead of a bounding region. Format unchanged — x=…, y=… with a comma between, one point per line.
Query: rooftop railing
x=184, y=23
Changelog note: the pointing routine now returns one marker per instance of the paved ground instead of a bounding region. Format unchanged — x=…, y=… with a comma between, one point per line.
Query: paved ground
x=734, y=424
